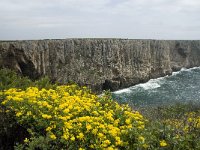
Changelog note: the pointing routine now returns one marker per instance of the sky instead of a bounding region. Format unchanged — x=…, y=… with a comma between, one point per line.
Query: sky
x=132, y=19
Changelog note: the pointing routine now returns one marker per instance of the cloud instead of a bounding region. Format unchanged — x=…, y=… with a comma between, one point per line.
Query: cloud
x=161, y=19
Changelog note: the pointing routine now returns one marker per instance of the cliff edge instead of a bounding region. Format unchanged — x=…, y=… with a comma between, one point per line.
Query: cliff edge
x=99, y=63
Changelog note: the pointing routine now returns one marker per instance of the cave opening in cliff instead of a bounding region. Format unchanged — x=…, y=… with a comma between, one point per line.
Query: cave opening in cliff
x=28, y=69
x=106, y=85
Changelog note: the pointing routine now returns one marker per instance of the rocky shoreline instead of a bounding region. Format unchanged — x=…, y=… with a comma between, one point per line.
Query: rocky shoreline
x=101, y=64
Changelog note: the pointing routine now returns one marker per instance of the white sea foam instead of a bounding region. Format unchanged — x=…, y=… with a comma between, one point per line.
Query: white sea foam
x=149, y=85
x=153, y=83
x=156, y=83
x=127, y=90
x=184, y=69
x=193, y=68
x=175, y=73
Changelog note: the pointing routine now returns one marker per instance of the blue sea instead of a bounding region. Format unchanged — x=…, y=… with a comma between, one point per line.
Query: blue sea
x=180, y=87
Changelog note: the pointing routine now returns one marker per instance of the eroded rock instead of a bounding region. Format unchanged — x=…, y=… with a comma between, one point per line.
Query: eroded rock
x=99, y=63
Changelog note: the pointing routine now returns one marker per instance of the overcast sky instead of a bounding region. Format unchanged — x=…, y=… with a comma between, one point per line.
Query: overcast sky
x=133, y=19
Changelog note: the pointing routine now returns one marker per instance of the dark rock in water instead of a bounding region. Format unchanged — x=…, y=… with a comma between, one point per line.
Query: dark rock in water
x=99, y=63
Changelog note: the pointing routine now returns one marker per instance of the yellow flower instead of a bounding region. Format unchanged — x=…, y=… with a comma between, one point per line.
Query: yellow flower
x=66, y=110
x=118, y=141
x=128, y=121
x=105, y=143
x=92, y=146
x=141, y=139
x=145, y=146
x=26, y=140
x=45, y=116
x=77, y=113
x=102, y=126
x=100, y=135
x=72, y=138
x=190, y=119
x=52, y=136
x=68, y=125
x=66, y=137
x=116, y=122
x=9, y=97
x=18, y=114
x=110, y=148
x=94, y=131
x=95, y=113
x=80, y=136
x=4, y=102
x=48, y=129
x=29, y=113
x=88, y=126
x=163, y=143
x=141, y=127
x=113, y=132
x=79, y=124
x=18, y=99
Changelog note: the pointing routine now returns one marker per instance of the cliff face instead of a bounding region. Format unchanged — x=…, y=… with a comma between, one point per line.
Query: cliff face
x=99, y=63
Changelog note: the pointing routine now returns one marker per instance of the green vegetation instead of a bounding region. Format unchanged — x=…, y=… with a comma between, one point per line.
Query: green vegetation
x=42, y=115
x=178, y=125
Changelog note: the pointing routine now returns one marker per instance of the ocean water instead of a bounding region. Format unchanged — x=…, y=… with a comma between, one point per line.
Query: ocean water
x=180, y=87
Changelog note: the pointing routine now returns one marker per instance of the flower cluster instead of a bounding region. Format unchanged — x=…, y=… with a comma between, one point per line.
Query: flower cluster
x=187, y=123
x=74, y=117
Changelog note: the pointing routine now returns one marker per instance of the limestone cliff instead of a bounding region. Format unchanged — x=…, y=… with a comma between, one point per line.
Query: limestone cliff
x=99, y=63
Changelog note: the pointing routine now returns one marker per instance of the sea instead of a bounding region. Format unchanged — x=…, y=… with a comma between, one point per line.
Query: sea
x=180, y=87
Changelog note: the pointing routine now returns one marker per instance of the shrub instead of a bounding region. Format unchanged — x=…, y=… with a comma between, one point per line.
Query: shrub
x=174, y=127
x=71, y=117
x=42, y=115
x=10, y=79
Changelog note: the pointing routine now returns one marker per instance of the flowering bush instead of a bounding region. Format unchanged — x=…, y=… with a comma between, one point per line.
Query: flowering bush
x=41, y=115
x=71, y=117
x=176, y=127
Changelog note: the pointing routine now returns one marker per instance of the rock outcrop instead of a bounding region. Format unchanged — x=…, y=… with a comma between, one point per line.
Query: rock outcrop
x=99, y=63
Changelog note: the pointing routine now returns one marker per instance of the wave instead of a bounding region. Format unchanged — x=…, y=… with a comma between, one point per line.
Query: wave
x=182, y=86
x=153, y=83
x=127, y=90
x=149, y=85
x=185, y=69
